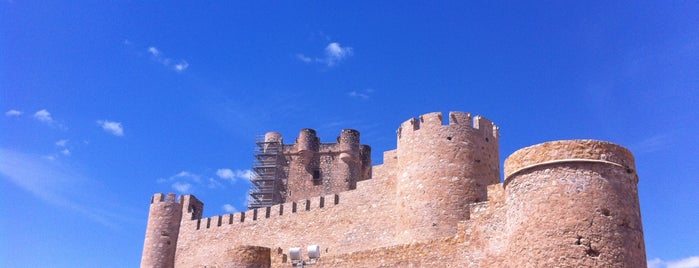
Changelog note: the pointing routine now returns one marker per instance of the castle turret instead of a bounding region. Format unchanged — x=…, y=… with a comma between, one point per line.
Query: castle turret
x=273, y=140
x=349, y=168
x=162, y=231
x=307, y=145
x=441, y=170
x=573, y=204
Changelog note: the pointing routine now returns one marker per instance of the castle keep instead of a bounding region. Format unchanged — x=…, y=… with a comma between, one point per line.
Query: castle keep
x=437, y=200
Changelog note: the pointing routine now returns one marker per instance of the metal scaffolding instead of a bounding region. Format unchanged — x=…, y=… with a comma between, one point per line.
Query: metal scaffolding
x=268, y=185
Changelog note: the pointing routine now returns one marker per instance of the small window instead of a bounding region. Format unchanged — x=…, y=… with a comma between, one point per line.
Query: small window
x=316, y=177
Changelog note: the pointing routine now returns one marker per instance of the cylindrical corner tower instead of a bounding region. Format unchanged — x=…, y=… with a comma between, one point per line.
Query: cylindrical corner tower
x=349, y=164
x=573, y=204
x=441, y=170
x=349, y=143
x=307, y=145
x=249, y=257
x=273, y=141
x=161, y=232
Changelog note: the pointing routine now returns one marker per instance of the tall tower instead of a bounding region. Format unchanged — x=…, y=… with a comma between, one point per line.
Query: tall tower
x=441, y=170
x=573, y=204
x=162, y=231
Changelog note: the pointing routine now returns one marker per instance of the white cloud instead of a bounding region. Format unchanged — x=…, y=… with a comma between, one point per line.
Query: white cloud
x=154, y=51
x=61, y=143
x=334, y=53
x=187, y=175
x=364, y=94
x=214, y=184
x=689, y=262
x=43, y=116
x=112, y=127
x=181, y=66
x=225, y=173
x=182, y=187
x=304, y=58
x=157, y=55
x=234, y=175
x=182, y=182
x=13, y=113
x=654, y=143
x=65, y=152
x=229, y=208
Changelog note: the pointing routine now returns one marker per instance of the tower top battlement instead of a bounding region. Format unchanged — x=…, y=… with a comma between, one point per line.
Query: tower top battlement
x=434, y=121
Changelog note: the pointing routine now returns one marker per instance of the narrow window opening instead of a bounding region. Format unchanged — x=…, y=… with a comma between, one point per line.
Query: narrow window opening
x=316, y=177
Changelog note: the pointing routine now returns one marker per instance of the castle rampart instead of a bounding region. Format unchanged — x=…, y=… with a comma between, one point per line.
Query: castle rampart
x=436, y=200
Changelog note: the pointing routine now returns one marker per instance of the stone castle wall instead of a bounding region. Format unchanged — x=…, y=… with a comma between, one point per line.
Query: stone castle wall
x=436, y=200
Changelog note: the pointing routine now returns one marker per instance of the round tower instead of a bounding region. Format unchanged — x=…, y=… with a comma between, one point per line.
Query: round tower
x=441, y=170
x=161, y=232
x=349, y=145
x=349, y=167
x=573, y=204
x=306, y=145
x=273, y=140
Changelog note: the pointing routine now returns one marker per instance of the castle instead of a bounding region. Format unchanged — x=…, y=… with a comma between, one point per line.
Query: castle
x=436, y=201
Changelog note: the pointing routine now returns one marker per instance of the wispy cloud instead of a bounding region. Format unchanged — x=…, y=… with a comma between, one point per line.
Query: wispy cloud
x=44, y=116
x=187, y=175
x=334, y=54
x=654, y=143
x=13, y=113
x=176, y=65
x=61, y=143
x=188, y=182
x=689, y=262
x=228, y=208
x=58, y=184
x=182, y=182
x=233, y=175
x=112, y=127
x=360, y=94
x=214, y=184
x=304, y=58
x=181, y=66
x=182, y=187
x=154, y=51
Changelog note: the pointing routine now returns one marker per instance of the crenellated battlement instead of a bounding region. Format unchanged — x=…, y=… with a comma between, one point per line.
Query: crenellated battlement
x=160, y=197
x=435, y=121
x=260, y=214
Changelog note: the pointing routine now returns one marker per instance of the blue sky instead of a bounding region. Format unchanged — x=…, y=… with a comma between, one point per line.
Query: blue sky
x=106, y=102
